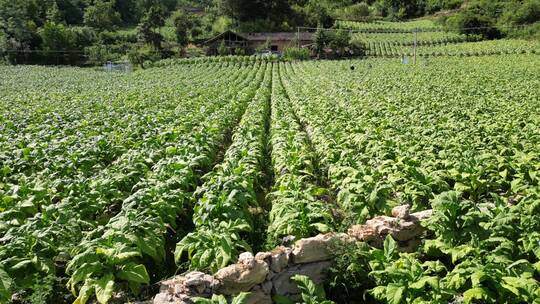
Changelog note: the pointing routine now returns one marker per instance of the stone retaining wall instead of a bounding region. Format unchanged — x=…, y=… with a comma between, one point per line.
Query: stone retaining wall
x=268, y=273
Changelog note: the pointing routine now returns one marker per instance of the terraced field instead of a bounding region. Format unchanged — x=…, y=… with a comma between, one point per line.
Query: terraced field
x=395, y=39
x=110, y=183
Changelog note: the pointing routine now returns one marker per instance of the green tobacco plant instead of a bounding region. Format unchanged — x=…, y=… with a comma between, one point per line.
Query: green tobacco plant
x=454, y=219
x=402, y=278
x=227, y=200
x=214, y=248
x=98, y=273
x=310, y=292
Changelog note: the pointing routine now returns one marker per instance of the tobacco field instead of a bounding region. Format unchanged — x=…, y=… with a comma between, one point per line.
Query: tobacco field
x=112, y=182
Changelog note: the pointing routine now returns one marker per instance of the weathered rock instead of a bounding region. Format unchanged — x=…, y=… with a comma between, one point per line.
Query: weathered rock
x=241, y=277
x=268, y=273
x=267, y=287
x=406, y=231
x=179, y=289
x=288, y=240
x=196, y=278
x=279, y=258
x=164, y=298
x=199, y=281
x=401, y=212
x=362, y=233
x=161, y=298
x=247, y=259
x=403, y=227
x=259, y=297
x=421, y=215
x=263, y=256
x=313, y=249
x=283, y=285
x=167, y=286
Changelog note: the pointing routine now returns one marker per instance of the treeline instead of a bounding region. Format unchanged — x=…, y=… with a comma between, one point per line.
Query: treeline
x=75, y=31
x=96, y=31
x=497, y=19
x=489, y=18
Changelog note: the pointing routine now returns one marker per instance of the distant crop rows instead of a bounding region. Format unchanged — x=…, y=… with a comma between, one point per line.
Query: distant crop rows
x=433, y=48
x=111, y=182
x=460, y=137
x=394, y=39
x=390, y=27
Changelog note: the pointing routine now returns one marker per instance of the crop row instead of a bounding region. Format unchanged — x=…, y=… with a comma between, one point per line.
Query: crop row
x=228, y=204
x=109, y=171
x=459, y=138
x=98, y=144
x=213, y=59
x=494, y=47
x=117, y=251
x=422, y=38
x=301, y=203
x=36, y=245
x=390, y=27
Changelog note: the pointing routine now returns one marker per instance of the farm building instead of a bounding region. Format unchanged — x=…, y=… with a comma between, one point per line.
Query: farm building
x=249, y=42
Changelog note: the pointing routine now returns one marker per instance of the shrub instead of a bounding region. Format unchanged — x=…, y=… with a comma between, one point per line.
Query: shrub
x=142, y=55
x=99, y=54
x=294, y=53
x=470, y=23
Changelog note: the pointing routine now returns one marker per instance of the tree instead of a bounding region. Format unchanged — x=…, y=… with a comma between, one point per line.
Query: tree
x=469, y=23
x=102, y=16
x=242, y=10
x=128, y=10
x=340, y=41
x=315, y=13
x=155, y=17
x=57, y=42
x=54, y=14
x=148, y=29
x=184, y=26
x=359, y=10
x=15, y=29
x=319, y=41
x=72, y=11
x=56, y=37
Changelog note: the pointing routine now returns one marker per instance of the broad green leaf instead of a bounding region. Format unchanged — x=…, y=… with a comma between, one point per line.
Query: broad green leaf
x=85, y=293
x=126, y=255
x=477, y=277
x=431, y=281
x=5, y=285
x=394, y=293
x=133, y=272
x=104, y=288
x=242, y=298
x=21, y=264
x=390, y=248
x=477, y=293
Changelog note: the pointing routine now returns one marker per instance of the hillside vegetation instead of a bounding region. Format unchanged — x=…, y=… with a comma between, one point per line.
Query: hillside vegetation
x=96, y=31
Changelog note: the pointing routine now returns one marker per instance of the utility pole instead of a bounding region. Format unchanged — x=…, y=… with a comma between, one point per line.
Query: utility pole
x=415, y=31
x=298, y=37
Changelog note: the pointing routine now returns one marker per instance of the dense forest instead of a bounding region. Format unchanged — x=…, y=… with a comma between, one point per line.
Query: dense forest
x=95, y=31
